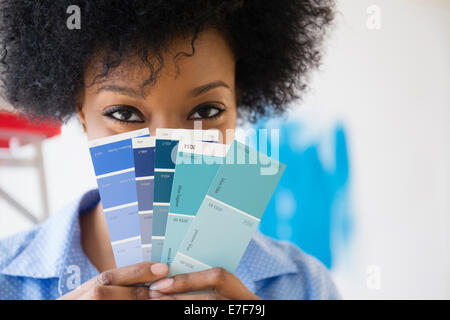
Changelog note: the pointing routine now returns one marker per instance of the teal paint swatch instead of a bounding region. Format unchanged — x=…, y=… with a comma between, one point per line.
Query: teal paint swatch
x=230, y=212
x=196, y=166
x=165, y=159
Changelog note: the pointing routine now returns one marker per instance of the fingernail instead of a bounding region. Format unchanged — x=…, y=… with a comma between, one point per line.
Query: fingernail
x=155, y=294
x=162, y=284
x=159, y=268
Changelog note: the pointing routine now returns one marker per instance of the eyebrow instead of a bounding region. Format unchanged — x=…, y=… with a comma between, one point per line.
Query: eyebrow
x=207, y=87
x=132, y=93
x=120, y=89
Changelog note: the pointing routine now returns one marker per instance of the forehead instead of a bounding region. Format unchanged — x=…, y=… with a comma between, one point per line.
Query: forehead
x=212, y=59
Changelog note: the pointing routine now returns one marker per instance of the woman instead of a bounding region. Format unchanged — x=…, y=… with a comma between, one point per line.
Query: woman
x=154, y=64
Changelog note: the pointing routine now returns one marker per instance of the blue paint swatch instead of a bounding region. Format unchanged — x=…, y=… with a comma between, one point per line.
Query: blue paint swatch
x=113, y=161
x=144, y=161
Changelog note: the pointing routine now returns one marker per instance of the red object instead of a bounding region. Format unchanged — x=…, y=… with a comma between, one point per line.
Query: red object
x=13, y=125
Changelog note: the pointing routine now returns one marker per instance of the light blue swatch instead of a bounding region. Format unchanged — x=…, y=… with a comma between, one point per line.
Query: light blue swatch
x=113, y=161
x=230, y=212
x=196, y=166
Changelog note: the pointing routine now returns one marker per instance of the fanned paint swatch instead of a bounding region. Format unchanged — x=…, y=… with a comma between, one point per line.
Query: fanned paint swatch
x=196, y=167
x=230, y=212
x=165, y=159
x=113, y=161
x=144, y=162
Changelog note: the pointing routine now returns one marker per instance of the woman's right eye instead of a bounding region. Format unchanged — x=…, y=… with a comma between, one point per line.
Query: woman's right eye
x=124, y=114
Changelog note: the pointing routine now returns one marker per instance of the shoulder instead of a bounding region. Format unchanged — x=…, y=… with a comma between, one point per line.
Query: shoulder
x=31, y=261
x=12, y=246
x=47, y=237
x=281, y=270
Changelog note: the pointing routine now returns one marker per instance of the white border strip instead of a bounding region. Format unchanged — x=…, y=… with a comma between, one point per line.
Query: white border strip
x=143, y=142
x=203, y=148
x=114, y=173
x=120, y=207
x=192, y=259
x=181, y=215
x=158, y=237
x=145, y=212
x=235, y=209
x=125, y=240
x=118, y=137
x=162, y=204
x=164, y=170
x=146, y=245
x=145, y=178
x=192, y=134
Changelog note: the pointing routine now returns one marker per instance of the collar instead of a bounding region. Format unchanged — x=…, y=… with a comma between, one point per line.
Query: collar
x=55, y=244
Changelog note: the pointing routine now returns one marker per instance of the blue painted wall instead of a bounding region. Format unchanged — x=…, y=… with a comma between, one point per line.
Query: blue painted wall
x=311, y=206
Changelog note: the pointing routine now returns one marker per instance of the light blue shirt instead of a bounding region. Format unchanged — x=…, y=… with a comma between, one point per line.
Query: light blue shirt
x=48, y=261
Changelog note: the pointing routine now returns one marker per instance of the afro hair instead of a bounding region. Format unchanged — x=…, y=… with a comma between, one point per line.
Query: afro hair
x=276, y=45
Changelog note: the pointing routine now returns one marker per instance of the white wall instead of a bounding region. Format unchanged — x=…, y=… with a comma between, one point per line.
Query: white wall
x=391, y=88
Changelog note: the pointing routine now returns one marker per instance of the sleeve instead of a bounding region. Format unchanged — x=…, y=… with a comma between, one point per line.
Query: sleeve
x=317, y=279
x=312, y=281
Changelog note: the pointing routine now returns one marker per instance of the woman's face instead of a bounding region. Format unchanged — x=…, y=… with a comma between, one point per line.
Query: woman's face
x=203, y=90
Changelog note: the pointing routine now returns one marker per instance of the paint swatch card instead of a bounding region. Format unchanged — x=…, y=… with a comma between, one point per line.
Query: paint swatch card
x=196, y=166
x=144, y=165
x=230, y=212
x=113, y=161
x=165, y=159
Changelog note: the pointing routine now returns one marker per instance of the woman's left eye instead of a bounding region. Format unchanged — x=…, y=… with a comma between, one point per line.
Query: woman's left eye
x=206, y=112
x=124, y=114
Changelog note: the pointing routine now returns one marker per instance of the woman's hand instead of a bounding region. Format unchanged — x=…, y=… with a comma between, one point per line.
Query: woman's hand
x=219, y=284
x=120, y=284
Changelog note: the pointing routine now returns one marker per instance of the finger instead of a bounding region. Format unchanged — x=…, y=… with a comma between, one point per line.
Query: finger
x=155, y=294
x=129, y=275
x=134, y=274
x=79, y=292
x=116, y=293
x=215, y=279
x=202, y=296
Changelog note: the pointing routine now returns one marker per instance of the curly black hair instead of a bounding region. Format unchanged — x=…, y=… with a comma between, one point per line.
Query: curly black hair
x=276, y=44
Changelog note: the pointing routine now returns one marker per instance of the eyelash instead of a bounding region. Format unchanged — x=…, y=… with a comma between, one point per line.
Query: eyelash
x=200, y=107
x=109, y=113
